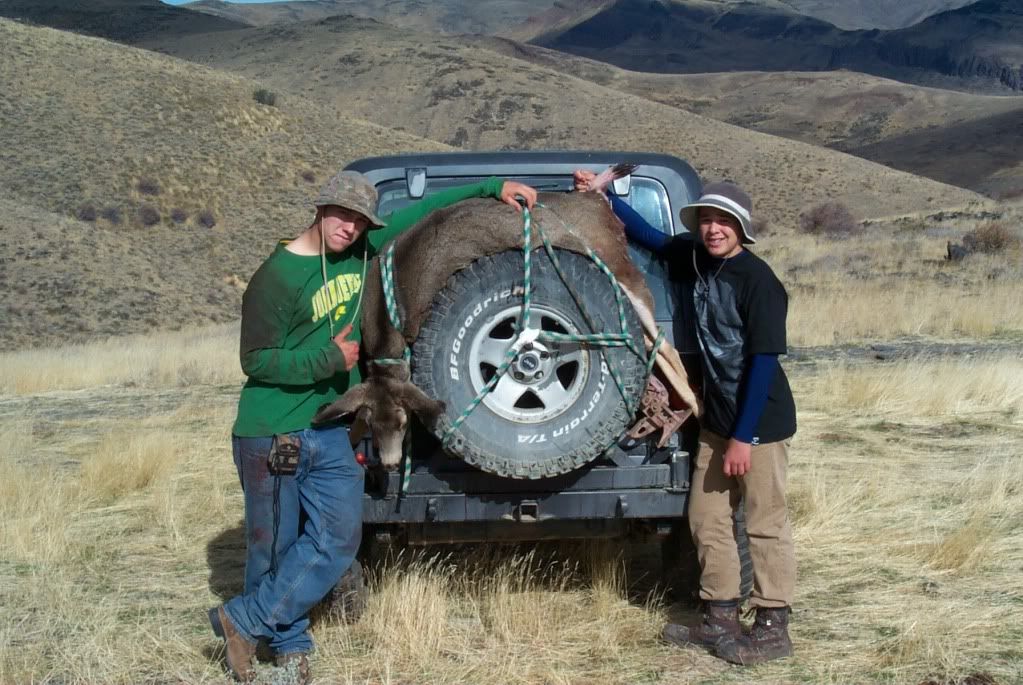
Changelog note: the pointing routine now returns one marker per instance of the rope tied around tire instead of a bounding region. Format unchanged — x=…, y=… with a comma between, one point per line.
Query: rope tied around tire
x=387, y=280
x=524, y=334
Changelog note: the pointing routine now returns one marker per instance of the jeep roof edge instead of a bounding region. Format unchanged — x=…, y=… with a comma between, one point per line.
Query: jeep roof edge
x=680, y=180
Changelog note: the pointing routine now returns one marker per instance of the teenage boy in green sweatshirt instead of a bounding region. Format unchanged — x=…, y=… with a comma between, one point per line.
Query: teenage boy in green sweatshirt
x=299, y=348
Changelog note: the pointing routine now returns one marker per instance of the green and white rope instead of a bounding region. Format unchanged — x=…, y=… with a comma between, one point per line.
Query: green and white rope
x=527, y=279
x=387, y=281
x=602, y=340
x=526, y=335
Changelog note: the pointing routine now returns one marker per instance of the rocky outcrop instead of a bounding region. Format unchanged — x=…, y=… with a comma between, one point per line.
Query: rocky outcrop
x=897, y=59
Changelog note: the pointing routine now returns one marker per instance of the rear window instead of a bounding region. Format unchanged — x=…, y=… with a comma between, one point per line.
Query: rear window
x=647, y=196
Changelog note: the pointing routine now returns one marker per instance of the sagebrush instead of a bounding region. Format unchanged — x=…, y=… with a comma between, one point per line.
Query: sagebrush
x=991, y=238
x=829, y=219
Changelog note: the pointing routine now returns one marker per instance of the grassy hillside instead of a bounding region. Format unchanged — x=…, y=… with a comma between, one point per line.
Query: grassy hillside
x=128, y=138
x=446, y=16
x=984, y=153
x=472, y=97
x=65, y=281
x=972, y=141
x=126, y=21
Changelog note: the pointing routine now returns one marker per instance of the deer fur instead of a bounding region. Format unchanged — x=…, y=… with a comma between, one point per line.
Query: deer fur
x=451, y=239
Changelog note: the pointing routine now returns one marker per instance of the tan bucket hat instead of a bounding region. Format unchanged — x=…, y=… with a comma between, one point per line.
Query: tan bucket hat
x=724, y=196
x=351, y=190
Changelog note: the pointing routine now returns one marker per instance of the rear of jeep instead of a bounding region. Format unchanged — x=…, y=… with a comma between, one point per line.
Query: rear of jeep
x=627, y=488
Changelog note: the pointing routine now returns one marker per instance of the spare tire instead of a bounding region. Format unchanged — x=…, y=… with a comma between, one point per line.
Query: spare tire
x=557, y=407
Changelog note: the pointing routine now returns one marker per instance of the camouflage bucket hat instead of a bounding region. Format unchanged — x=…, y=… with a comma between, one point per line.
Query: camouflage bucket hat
x=351, y=190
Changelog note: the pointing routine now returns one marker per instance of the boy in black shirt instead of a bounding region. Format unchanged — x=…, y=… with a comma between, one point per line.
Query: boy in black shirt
x=732, y=318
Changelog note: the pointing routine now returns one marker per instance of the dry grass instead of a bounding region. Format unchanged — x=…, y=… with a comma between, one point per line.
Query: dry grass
x=937, y=388
x=123, y=463
x=119, y=517
x=874, y=311
x=201, y=356
x=499, y=619
x=894, y=283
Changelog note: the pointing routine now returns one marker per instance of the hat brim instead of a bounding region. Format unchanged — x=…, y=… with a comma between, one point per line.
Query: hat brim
x=374, y=221
x=690, y=216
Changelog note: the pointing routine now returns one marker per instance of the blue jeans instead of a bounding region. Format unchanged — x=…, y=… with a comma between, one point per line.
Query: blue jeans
x=318, y=535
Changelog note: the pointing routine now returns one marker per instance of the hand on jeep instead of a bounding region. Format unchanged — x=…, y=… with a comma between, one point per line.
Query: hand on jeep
x=583, y=179
x=737, y=458
x=349, y=348
x=513, y=189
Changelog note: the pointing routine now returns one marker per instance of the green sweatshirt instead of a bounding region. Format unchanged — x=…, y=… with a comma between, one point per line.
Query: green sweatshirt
x=286, y=349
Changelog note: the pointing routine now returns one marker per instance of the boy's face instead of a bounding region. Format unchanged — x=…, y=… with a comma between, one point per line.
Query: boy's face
x=720, y=232
x=341, y=227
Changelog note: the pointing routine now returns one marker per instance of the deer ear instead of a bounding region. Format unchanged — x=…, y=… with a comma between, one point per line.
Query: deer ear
x=352, y=401
x=415, y=399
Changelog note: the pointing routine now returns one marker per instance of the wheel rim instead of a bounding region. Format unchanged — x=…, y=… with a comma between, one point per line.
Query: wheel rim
x=544, y=381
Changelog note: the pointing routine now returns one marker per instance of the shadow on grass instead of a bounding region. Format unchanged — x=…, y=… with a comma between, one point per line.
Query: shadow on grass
x=215, y=653
x=225, y=556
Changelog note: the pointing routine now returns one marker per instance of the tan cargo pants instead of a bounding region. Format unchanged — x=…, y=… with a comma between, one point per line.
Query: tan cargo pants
x=713, y=498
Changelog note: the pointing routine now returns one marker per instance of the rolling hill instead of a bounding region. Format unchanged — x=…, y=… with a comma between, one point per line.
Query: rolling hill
x=472, y=97
x=124, y=138
x=446, y=16
x=140, y=190
x=975, y=47
x=912, y=128
x=502, y=16
x=126, y=21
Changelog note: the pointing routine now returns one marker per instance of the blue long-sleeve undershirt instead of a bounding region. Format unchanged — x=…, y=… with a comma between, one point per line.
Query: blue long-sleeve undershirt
x=637, y=228
x=760, y=372
x=753, y=396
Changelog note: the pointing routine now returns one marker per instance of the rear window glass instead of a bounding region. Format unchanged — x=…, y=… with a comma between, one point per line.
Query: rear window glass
x=650, y=199
x=647, y=196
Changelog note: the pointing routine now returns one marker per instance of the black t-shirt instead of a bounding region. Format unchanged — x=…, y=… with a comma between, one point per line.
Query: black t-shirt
x=731, y=310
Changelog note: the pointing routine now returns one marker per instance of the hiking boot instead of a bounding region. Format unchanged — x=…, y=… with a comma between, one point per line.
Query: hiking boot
x=239, y=652
x=720, y=621
x=768, y=639
x=297, y=663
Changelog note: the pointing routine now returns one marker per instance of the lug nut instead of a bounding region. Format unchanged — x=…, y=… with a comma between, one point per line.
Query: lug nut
x=539, y=374
x=544, y=355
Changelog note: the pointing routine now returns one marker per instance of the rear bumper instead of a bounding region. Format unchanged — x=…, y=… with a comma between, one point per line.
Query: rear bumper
x=608, y=494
